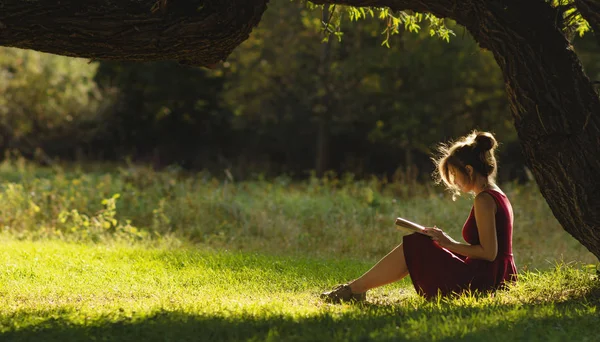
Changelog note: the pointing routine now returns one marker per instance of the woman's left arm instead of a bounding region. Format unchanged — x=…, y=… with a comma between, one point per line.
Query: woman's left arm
x=485, y=216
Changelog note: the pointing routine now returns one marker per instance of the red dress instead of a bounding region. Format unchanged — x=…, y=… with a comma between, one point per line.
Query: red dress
x=435, y=269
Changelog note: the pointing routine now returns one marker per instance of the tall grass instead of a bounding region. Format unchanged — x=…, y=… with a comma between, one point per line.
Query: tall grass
x=329, y=217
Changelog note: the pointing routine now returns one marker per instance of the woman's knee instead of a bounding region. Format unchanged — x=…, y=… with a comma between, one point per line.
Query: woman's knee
x=415, y=237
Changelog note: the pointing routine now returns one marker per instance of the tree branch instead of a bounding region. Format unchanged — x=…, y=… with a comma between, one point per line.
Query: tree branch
x=198, y=32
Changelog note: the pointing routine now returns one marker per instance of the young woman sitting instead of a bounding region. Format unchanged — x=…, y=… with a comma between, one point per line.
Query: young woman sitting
x=438, y=264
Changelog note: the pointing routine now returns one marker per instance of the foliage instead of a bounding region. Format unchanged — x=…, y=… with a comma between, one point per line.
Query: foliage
x=392, y=105
x=394, y=20
x=164, y=113
x=55, y=291
x=44, y=98
x=102, y=223
x=570, y=19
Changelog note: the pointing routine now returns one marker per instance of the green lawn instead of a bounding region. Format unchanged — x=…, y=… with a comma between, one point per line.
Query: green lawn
x=130, y=254
x=59, y=291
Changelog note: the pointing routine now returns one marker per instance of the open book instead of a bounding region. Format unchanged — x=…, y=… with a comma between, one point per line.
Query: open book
x=408, y=226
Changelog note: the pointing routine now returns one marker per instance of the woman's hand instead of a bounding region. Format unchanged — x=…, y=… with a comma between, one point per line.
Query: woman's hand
x=438, y=235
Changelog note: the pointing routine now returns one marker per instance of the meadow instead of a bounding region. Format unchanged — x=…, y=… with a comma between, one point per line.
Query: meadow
x=96, y=252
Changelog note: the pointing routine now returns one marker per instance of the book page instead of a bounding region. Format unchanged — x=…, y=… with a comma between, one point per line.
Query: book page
x=408, y=226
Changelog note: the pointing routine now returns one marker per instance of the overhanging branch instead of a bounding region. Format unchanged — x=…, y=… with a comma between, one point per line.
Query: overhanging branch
x=198, y=32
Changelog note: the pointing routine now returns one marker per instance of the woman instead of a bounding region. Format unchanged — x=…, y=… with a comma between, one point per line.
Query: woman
x=436, y=263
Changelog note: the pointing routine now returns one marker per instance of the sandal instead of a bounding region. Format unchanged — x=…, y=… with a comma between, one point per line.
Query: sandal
x=343, y=293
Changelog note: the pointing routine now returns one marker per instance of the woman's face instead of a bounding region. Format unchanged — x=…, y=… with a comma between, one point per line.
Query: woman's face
x=461, y=179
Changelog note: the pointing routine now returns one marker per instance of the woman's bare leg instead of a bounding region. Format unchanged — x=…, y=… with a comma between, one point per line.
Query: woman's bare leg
x=389, y=269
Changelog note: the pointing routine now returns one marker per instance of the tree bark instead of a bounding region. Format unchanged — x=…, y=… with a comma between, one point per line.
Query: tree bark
x=196, y=32
x=555, y=108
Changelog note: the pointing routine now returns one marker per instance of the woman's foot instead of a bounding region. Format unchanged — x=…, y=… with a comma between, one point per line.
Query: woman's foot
x=343, y=293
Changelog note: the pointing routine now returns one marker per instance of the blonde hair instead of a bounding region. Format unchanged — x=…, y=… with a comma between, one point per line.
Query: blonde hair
x=476, y=149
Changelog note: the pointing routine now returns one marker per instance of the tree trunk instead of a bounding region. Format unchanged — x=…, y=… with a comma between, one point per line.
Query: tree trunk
x=197, y=32
x=555, y=108
x=322, y=104
x=322, y=157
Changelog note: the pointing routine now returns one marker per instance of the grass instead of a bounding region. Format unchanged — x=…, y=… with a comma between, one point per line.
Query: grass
x=53, y=290
x=133, y=254
x=331, y=217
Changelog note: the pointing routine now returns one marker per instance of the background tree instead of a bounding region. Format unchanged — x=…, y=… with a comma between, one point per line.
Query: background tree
x=164, y=113
x=47, y=101
x=385, y=107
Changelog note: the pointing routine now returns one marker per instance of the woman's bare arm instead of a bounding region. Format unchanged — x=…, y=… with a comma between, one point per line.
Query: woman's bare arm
x=485, y=216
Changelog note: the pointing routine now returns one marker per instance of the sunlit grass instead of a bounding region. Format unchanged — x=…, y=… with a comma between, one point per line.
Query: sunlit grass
x=54, y=290
x=133, y=254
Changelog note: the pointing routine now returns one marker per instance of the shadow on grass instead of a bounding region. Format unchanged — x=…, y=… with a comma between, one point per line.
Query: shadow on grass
x=575, y=319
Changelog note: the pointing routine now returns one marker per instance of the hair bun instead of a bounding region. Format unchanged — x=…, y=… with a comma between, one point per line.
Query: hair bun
x=485, y=141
